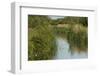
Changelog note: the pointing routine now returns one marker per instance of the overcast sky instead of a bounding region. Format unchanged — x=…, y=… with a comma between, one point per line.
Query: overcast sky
x=56, y=17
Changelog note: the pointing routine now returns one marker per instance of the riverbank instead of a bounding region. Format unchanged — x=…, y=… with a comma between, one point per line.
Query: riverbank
x=76, y=35
x=63, y=50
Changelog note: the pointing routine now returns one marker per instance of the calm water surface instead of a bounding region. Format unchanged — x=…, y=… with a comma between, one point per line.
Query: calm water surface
x=63, y=51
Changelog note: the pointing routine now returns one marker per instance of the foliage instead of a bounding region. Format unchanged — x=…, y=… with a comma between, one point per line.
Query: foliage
x=41, y=42
x=37, y=20
x=42, y=33
x=78, y=38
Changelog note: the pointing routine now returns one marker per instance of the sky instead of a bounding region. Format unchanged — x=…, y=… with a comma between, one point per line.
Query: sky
x=56, y=17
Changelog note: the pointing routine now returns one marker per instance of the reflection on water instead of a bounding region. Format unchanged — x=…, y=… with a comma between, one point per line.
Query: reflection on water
x=63, y=51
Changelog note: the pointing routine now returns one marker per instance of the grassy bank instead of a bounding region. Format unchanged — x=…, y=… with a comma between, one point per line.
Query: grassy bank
x=76, y=36
x=41, y=43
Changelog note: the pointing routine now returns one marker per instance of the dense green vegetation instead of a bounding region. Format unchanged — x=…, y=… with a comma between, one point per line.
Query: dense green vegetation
x=41, y=40
x=78, y=38
x=61, y=32
x=42, y=33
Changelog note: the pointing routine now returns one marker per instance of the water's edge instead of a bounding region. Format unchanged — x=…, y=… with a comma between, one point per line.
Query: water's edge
x=63, y=51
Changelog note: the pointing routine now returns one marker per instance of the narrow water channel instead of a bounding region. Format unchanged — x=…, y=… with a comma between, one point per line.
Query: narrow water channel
x=63, y=51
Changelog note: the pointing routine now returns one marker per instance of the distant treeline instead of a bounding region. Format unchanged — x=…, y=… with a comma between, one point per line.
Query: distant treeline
x=35, y=20
x=71, y=20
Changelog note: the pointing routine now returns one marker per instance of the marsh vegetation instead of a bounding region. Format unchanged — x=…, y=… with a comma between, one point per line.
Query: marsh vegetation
x=44, y=32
